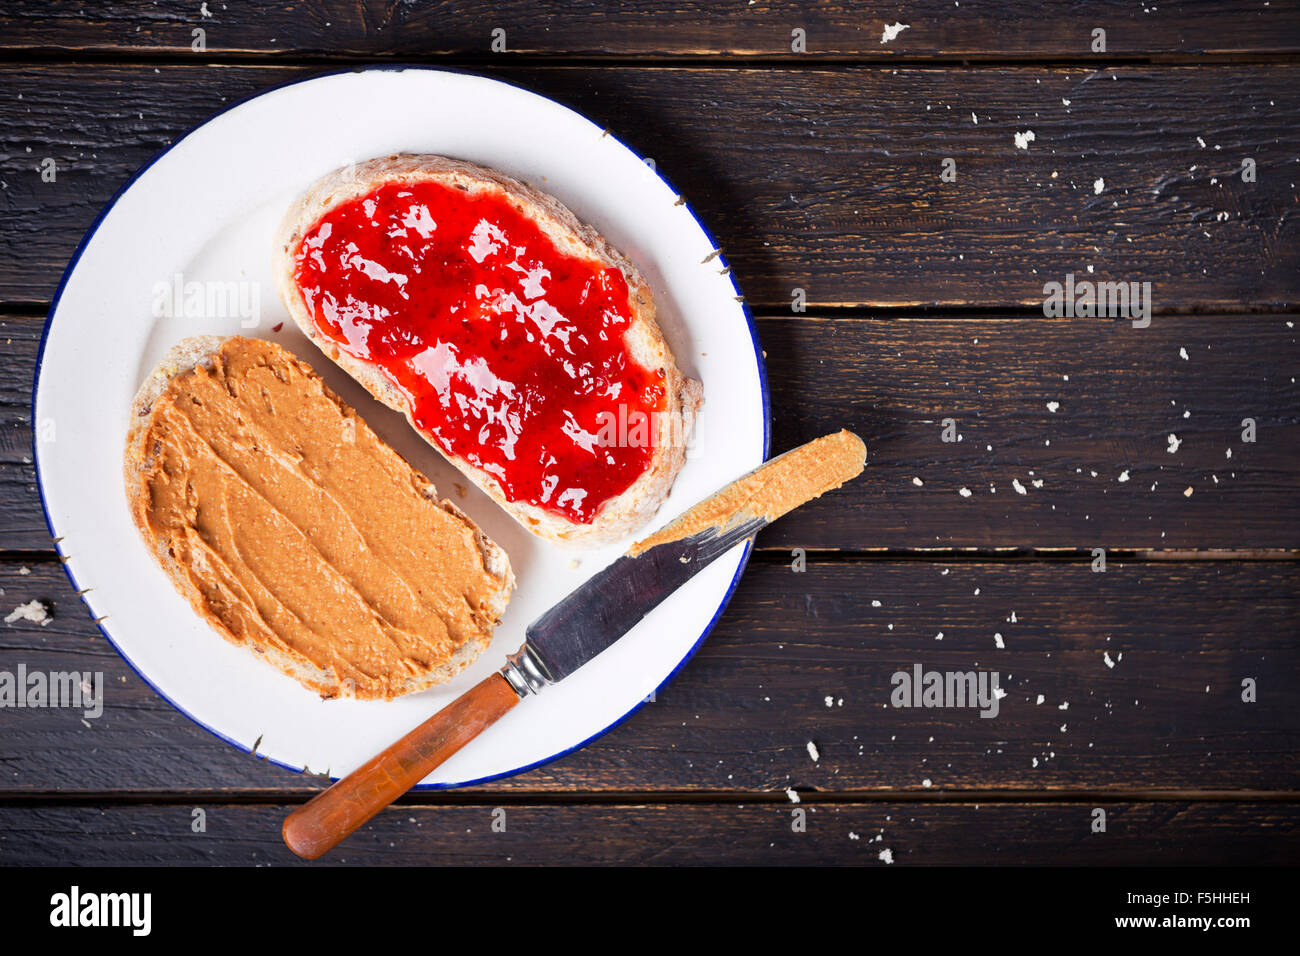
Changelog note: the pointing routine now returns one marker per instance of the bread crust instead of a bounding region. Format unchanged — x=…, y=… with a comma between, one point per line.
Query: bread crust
x=199, y=350
x=620, y=515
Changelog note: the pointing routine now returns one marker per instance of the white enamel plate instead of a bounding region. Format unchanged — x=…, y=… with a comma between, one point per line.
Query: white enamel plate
x=204, y=212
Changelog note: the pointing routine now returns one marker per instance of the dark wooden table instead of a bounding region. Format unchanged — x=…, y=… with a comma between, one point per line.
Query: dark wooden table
x=818, y=171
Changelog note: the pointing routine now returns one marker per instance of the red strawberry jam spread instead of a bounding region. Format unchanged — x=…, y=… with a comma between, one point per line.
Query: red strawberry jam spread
x=510, y=351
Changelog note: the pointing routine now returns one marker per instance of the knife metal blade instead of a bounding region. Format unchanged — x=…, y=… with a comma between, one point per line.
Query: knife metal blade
x=617, y=598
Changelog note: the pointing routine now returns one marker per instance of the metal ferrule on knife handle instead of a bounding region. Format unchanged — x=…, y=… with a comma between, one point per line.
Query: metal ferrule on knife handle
x=525, y=673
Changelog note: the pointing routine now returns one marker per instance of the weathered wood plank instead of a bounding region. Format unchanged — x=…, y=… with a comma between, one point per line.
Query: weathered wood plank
x=823, y=180
x=1119, y=681
x=832, y=28
x=1077, y=434
x=863, y=834
x=1077, y=413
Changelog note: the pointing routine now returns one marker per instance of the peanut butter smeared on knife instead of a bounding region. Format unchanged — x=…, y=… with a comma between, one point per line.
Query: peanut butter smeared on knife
x=769, y=491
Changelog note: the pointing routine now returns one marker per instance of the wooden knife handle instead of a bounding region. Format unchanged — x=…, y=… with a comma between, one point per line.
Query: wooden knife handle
x=329, y=817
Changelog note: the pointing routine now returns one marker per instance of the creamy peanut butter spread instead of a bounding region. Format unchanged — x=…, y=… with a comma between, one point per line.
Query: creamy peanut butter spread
x=297, y=532
x=772, y=489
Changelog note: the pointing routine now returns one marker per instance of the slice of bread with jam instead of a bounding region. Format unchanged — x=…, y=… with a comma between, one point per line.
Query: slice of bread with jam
x=515, y=339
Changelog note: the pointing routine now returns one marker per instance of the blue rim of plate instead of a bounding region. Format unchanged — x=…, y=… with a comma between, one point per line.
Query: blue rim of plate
x=90, y=234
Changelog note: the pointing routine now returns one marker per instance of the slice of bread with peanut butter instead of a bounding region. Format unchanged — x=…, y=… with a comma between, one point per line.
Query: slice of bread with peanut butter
x=515, y=339
x=296, y=532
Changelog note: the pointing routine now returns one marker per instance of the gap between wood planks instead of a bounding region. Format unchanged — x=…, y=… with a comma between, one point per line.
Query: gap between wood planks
x=780, y=555
x=472, y=798
x=144, y=56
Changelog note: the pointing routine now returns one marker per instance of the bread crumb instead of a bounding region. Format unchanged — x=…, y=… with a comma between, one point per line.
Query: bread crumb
x=1024, y=139
x=886, y=854
x=813, y=752
x=33, y=611
x=892, y=31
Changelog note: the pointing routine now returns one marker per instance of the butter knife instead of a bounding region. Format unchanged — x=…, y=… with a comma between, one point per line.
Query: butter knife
x=577, y=629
